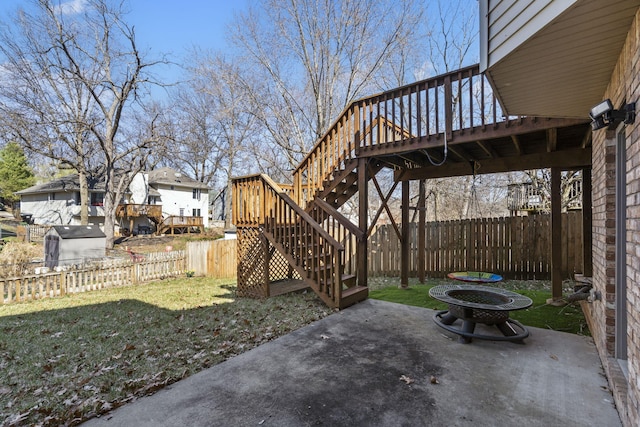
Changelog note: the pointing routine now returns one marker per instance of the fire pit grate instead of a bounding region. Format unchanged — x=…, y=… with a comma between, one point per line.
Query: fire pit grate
x=480, y=304
x=482, y=297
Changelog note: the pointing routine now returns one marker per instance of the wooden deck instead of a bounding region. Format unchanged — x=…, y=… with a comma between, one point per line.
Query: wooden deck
x=127, y=210
x=445, y=126
x=181, y=225
x=131, y=211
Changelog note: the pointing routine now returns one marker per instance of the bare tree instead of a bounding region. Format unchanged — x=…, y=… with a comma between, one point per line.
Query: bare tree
x=195, y=139
x=570, y=188
x=72, y=77
x=451, y=46
x=213, y=124
x=452, y=35
x=310, y=59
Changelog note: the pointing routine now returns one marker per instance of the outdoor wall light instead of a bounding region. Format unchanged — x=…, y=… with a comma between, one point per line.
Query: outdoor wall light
x=603, y=115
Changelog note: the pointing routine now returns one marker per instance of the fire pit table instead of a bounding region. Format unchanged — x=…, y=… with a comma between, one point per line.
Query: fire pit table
x=480, y=304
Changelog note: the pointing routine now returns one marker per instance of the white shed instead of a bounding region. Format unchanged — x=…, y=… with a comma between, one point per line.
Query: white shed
x=73, y=244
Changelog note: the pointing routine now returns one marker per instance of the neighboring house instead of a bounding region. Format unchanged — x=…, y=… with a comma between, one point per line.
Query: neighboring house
x=560, y=59
x=58, y=201
x=179, y=195
x=175, y=195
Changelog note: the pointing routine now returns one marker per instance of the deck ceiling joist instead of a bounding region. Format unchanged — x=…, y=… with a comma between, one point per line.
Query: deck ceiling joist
x=567, y=147
x=503, y=130
x=576, y=158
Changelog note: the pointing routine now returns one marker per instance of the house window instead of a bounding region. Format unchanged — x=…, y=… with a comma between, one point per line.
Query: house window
x=196, y=212
x=181, y=211
x=76, y=198
x=97, y=199
x=52, y=196
x=196, y=193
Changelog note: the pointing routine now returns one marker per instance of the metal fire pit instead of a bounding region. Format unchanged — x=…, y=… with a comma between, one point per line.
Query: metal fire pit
x=474, y=304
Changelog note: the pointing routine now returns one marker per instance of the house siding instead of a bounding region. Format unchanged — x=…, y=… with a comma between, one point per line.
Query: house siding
x=139, y=188
x=182, y=197
x=624, y=85
x=506, y=24
x=45, y=211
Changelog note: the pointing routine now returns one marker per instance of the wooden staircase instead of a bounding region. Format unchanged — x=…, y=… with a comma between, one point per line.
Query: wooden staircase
x=305, y=239
x=452, y=119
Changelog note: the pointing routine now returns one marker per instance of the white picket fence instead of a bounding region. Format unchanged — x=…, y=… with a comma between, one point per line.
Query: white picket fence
x=96, y=275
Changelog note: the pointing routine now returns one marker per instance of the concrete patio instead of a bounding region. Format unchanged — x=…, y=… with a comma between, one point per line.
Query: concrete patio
x=386, y=364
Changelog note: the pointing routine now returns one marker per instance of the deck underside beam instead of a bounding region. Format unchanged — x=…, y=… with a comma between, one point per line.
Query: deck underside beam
x=576, y=158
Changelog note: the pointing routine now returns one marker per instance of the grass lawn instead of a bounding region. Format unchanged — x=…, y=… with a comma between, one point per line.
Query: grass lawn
x=67, y=359
x=540, y=315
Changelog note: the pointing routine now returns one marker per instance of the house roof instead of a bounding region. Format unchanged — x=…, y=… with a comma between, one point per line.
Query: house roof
x=563, y=69
x=69, y=183
x=168, y=176
x=78, y=231
x=65, y=183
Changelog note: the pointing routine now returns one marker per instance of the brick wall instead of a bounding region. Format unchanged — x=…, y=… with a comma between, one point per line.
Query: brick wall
x=624, y=85
x=632, y=87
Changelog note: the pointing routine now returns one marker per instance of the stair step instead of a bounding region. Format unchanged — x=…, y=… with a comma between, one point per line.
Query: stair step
x=353, y=295
x=349, y=280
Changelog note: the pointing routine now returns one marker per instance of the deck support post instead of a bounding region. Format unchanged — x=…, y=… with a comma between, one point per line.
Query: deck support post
x=363, y=223
x=556, y=236
x=404, y=241
x=587, y=222
x=422, y=219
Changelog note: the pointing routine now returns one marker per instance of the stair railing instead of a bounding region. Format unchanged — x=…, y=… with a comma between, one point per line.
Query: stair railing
x=307, y=246
x=341, y=229
x=422, y=111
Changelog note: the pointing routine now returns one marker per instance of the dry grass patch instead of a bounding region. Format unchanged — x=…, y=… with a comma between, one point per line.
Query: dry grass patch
x=16, y=258
x=68, y=359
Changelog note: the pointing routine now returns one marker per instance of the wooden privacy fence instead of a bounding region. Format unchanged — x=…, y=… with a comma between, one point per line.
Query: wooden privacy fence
x=514, y=247
x=212, y=258
x=119, y=273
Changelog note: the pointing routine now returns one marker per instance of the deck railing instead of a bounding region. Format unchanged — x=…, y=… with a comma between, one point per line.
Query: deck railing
x=341, y=229
x=136, y=210
x=181, y=221
x=429, y=110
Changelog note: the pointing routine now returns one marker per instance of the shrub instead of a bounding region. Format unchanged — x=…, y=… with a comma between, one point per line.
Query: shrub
x=16, y=258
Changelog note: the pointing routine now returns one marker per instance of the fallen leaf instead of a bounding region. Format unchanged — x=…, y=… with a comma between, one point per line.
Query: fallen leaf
x=325, y=337
x=434, y=380
x=406, y=379
x=553, y=356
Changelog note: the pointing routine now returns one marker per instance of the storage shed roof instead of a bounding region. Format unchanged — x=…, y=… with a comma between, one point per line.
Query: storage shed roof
x=78, y=231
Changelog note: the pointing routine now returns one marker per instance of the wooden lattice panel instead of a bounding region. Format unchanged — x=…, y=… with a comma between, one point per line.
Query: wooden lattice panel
x=279, y=268
x=251, y=263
